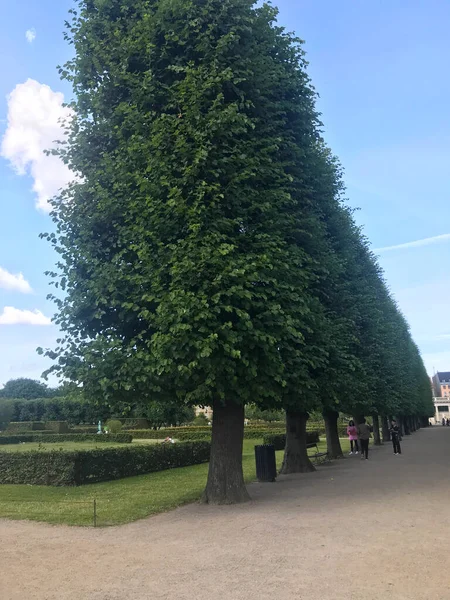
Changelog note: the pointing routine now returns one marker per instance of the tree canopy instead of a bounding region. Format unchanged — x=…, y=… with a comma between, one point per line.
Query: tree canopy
x=206, y=252
x=24, y=388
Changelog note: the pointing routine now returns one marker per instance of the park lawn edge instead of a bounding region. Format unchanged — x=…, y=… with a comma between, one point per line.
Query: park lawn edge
x=121, y=501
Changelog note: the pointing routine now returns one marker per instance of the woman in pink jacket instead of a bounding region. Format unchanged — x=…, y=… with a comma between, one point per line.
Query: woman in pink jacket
x=353, y=437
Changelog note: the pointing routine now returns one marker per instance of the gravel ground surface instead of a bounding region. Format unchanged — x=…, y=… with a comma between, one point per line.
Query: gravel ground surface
x=355, y=529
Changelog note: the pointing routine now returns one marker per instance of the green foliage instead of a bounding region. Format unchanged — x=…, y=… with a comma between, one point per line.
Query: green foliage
x=136, y=423
x=57, y=426
x=6, y=413
x=114, y=426
x=120, y=501
x=200, y=420
x=84, y=429
x=53, y=438
x=194, y=433
x=24, y=388
x=202, y=290
x=209, y=213
x=91, y=466
x=279, y=439
x=73, y=409
x=254, y=413
x=170, y=413
x=26, y=426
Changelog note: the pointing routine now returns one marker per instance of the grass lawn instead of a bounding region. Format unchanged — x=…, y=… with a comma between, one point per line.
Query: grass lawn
x=120, y=501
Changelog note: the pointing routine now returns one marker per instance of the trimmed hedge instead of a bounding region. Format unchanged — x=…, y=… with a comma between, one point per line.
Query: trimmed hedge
x=196, y=436
x=120, y=438
x=25, y=426
x=279, y=439
x=84, y=429
x=179, y=433
x=193, y=433
x=57, y=426
x=91, y=466
x=320, y=427
x=135, y=423
x=17, y=439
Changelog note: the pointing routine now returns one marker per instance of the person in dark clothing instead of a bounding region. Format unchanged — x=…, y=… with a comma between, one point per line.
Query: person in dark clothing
x=364, y=436
x=395, y=437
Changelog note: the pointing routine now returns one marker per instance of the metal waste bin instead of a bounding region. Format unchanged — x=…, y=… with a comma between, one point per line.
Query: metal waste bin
x=266, y=466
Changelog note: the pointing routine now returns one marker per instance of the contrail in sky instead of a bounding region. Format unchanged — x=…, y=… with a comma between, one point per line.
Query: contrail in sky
x=425, y=242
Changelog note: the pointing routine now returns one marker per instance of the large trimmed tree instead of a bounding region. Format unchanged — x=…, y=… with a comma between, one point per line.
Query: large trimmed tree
x=183, y=241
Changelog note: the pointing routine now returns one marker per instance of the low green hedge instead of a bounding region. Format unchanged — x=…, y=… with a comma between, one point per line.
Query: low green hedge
x=25, y=426
x=342, y=429
x=179, y=433
x=279, y=439
x=120, y=438
x=193, y=433
x=84, y=429
x=91, y=466
x=57, y=426
x=174, y=432
x=254, y=434
x=17, y=439
x=13, y=433
x=196, y=436
x=137, y=423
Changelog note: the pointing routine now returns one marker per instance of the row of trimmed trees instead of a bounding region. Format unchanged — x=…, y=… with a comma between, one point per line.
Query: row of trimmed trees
x=206, y=253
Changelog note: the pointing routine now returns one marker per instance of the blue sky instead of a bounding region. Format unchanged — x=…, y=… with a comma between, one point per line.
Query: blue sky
x=381, y=71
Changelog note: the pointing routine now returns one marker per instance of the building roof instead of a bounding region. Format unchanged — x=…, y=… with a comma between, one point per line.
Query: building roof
x=444, y=376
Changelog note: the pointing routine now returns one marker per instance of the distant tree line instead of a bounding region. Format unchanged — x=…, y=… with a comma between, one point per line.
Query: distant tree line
x=29, y=400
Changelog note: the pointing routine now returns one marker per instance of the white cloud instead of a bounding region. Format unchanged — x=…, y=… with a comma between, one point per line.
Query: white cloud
x=15, y=316
x=424, y=242
x=34, y=123
x=30, y=35
x=15, y=283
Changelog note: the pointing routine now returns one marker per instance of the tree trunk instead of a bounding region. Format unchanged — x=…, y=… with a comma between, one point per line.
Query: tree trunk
x=225, y=484
x=296, y=458
x=385, y=429
x=412, y=426
x=376, y=430
x=331, y=430
x=406, y=426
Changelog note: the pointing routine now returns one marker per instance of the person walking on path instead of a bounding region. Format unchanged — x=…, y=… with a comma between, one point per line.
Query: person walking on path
x=353, y=437
x=364, y=435
x=395, y=437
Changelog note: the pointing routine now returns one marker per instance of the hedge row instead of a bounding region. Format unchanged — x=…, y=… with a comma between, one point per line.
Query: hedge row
x=37, y=427
x=84, y=429
x=279, y=439
x=25, y=426
x=57, y=426
x=342, y=429
x=179, y=433
x=192, y=433
x=136, y=423
x=91, y=466
x=120, y=438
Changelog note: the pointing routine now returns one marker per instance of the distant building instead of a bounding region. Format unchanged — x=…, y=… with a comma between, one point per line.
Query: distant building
x=441, y=409
x=441, y=384
x=204, y=410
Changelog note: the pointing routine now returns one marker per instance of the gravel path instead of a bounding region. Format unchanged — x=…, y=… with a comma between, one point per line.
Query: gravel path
x=355, y=529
